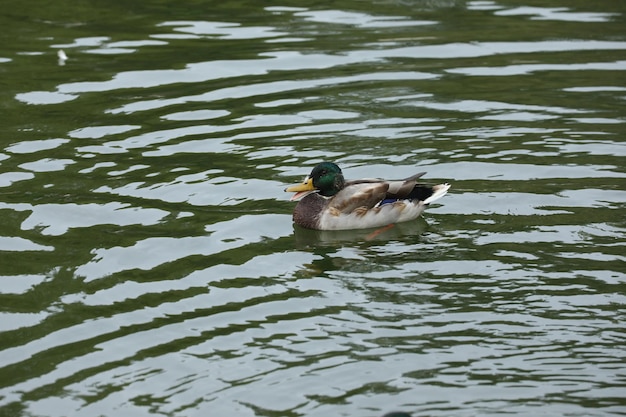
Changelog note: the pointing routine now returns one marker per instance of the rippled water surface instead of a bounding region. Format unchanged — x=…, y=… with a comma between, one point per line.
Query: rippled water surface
x=149, y=264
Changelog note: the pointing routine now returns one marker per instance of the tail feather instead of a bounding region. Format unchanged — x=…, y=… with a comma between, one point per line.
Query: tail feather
x=438, y=191
x=421, y=193
x=424, y=193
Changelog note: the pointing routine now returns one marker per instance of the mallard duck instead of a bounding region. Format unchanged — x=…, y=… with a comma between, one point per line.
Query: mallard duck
x=329, y=202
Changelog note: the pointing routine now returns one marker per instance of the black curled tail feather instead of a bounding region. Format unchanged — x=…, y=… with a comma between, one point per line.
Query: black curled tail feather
x=420, y=192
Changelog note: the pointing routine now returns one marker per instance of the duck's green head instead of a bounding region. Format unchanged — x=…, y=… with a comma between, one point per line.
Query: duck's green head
x=326, y=178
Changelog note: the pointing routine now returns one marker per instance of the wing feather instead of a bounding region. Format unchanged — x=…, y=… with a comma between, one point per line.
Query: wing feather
x=361, y=194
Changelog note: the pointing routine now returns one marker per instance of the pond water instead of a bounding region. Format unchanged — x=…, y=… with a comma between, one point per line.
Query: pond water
x=148, y=260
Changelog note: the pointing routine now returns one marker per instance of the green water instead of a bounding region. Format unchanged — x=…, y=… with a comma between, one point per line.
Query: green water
x=149, y=264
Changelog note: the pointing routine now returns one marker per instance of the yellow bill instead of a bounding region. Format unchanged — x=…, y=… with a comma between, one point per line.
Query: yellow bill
x=301, y=190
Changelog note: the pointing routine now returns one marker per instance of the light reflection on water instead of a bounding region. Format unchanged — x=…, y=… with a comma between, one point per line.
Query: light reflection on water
x=149, y=263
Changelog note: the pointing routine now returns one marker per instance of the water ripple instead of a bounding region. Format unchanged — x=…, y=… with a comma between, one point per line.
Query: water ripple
x=149, y=264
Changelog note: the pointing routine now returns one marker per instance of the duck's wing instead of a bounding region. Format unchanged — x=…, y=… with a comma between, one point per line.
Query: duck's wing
x=400, y=189
x=409, y=189
x=362, y=193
